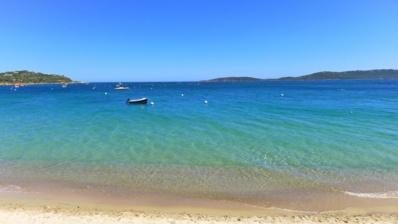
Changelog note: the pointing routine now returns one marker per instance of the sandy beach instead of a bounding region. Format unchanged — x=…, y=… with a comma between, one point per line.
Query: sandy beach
x=18, y=213
x=27, y=210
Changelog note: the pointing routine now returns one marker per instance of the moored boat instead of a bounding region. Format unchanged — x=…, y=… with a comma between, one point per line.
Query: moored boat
x=121, y=87
x=137, y=101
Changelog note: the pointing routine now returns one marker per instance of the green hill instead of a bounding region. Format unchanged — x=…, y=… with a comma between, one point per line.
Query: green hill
x=27, y=77
x=369, y=74
x=359, y=74
x=234, y=79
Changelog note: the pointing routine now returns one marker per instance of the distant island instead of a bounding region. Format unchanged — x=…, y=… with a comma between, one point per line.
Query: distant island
x=234, y=79
x=369, y=74
x=27, y=78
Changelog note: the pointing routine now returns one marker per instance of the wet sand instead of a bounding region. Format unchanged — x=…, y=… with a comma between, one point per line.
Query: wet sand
x=30, y=208
x=20, y=213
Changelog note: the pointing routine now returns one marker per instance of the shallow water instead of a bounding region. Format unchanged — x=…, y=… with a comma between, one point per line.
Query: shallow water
x=273, y=144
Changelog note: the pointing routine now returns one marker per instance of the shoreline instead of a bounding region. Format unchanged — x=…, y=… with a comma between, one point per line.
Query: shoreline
x=67, y=208
x=23, y=210
x=33, y=186
x=44, y=83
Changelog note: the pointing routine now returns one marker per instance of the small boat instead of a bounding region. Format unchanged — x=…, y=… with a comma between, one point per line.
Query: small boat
x=137, y=101
x=121, y=87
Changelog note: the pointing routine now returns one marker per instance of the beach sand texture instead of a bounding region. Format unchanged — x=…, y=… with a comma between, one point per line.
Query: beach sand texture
x=25, y=210
x=18, y=213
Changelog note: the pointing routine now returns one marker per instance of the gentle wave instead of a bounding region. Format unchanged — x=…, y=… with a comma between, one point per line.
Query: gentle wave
x=382, y=195
x=248, y=143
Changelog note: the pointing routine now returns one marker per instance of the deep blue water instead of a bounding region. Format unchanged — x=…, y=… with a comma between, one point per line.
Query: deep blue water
x=251, y=140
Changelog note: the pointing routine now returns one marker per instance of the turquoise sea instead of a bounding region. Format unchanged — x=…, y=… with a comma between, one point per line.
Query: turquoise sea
x=305, y=145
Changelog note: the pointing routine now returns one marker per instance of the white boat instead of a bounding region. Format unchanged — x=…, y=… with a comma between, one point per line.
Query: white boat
x=121, y=87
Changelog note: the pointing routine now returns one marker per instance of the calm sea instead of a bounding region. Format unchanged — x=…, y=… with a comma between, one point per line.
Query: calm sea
x=292, y=144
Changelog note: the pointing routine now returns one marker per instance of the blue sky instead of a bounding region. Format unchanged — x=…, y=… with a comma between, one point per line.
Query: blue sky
x=148, y=40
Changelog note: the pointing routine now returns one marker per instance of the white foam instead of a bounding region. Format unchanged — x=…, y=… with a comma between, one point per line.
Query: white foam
x=289, y=210
x=10, y=188
x=384, y=195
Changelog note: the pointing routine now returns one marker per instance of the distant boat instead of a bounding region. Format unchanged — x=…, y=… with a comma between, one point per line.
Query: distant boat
x=121, y=87
x=137, y=101
x=64, y=85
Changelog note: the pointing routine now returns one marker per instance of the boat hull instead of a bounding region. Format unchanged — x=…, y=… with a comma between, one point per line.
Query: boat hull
x=137, y=101
x=122, y=88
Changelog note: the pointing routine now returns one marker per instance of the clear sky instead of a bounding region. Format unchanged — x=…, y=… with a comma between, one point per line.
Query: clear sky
x=190, y=40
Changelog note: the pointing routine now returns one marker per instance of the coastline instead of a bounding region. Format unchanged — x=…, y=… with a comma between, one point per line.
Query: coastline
x=23, y=210
x=41, y=83
x=17, y=207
